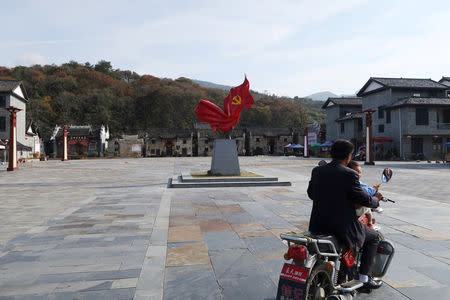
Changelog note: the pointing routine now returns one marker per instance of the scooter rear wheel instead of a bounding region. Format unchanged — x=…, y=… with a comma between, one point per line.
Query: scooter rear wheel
x=319, y=285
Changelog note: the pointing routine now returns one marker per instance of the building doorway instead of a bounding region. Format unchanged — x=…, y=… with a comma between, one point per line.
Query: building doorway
x=169, y=148
x=271, y=144
x=417, y=147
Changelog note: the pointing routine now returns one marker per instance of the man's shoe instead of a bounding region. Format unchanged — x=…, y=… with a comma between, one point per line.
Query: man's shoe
x=378, y=209
x=370, y=285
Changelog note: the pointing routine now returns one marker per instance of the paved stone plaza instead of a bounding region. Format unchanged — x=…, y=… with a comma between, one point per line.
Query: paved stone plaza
x=110, y=229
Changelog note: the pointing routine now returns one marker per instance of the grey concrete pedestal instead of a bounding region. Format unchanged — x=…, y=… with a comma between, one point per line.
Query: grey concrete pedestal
x=225, y=158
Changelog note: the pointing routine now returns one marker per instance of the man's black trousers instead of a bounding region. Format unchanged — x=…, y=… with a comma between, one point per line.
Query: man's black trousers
x=369, y=250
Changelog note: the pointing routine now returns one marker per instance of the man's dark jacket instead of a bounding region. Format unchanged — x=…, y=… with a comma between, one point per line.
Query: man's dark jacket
x=335, y=190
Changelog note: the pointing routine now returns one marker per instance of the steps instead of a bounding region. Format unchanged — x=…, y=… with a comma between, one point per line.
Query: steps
x=187, y=181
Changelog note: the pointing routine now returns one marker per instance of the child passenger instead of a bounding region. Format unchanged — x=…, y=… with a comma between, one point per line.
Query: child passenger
x=362, y=210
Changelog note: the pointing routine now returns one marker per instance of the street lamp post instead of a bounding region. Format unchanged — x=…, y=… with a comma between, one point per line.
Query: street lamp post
x=369, y=138
x=64, y=150
x=12, y=166
x=306, y=150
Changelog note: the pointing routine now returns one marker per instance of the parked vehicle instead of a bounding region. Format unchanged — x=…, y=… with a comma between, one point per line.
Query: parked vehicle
x=321, y=268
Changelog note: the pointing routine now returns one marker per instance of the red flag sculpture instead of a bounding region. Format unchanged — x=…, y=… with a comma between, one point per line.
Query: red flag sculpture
x=233, y=104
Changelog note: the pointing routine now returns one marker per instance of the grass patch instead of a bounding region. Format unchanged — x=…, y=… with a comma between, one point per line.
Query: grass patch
x=205, y=174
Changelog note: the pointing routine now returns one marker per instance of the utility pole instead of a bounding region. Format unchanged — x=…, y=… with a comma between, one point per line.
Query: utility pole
x=12, y=166
x=369, y=138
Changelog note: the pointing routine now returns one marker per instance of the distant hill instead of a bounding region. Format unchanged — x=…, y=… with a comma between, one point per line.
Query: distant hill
x=322, y=96
x=211, y=85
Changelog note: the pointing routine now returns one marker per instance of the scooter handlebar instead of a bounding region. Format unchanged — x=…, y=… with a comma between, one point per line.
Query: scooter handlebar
x=387, y=199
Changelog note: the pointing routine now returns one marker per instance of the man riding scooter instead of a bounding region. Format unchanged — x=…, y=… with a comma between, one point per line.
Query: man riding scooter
x=335, y=189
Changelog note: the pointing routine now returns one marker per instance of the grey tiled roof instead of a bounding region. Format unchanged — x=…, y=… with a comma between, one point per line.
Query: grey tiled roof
x=351, y=116
x=408, y=82
x=73, y=130
x=444, y=79
x=261, y=131
x=8, y=85
x=343, y=101
x=23, y=147
x=422, y=101
x=166, y=133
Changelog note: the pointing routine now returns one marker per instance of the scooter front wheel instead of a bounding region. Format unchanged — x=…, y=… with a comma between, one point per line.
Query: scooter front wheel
x=319, y=285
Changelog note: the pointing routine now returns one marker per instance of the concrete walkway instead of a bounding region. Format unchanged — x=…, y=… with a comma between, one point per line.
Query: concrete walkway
x=110, y=229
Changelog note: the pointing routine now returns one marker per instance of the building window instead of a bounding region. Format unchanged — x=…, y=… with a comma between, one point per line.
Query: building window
x=257, y=140
x=153, y=141
x=206, y=149
x=184, y=141
x=421, y=116
x=360, y=127
x=381, y=128
x=2, y=123
x=285, y=139
x=2, y=101
x=342, y=127
x=152, y=151
x=446, y=114
x=388, y=116
x=380, y=112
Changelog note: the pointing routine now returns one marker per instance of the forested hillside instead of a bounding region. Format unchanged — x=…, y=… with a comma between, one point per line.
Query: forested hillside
x=80, y=94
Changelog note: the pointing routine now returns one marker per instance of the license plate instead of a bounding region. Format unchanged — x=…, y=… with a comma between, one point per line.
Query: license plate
x=292, y=284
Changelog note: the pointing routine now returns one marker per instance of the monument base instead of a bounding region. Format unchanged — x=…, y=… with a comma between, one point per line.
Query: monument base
x=225, y=158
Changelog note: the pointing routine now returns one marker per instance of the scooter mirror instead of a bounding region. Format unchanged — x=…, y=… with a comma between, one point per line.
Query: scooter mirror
x=386, y=175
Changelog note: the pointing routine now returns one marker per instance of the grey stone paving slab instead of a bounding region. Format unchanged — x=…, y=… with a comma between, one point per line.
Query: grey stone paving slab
x=119, y=294
x=385, y=292
x=438, y=273
x=264, y=216
x=424, y=292
x=13, y=257
x=100, y=275
x=272, y=267
x=239, y=218
x=191, y=282
x=261, y=245
x=209, y=217
x=222, y=240
x=240, y=276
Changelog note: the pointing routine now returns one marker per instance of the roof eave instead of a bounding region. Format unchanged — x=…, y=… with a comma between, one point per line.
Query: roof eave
x=362, y=94
x=19, y=97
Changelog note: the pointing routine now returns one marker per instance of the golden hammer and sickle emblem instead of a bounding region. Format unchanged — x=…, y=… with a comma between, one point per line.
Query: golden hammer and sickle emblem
x=236, y=100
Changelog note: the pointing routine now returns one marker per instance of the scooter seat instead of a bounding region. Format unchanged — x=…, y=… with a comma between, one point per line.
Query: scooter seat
x=340, y=248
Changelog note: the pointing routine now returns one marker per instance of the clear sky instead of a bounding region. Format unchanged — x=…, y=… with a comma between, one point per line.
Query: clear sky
x=287, y=48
